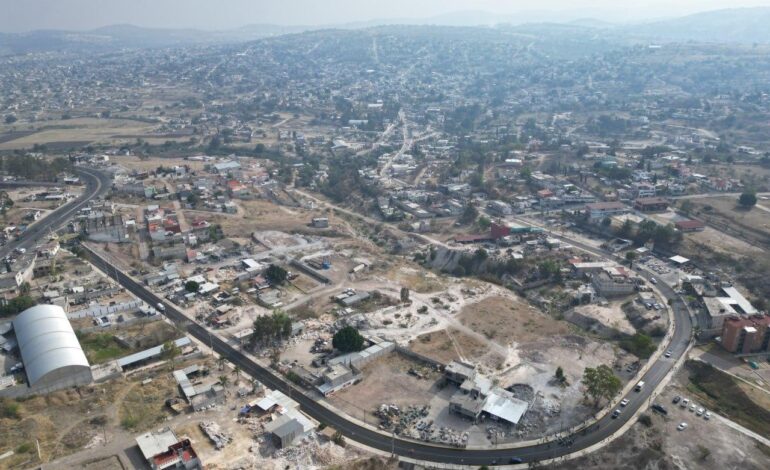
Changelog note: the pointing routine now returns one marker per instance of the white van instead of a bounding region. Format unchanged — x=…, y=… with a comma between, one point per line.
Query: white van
x=639, y=386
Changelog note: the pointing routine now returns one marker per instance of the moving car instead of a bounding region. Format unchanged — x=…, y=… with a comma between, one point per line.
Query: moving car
x=616, y=413
x=624, y=402
x=681, y=427
x=653, y=280
x=668, y=353
x=516, y=460
x=639, y=386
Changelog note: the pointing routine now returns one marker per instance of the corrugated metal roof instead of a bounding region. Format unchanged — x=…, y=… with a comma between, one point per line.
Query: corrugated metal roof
x=149, y=353
x=47, y=341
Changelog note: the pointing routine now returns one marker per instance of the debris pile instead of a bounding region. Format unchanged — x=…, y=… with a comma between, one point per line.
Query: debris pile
x=394, y=419
x=215, y=433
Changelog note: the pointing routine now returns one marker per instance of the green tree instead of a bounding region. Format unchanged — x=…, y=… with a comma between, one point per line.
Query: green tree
x=600, y=382
x=271, y=327
x=559, y=375
x=10, y=119
x=626, y=230
x=404, y=295
x=470, y=214
x=747, y=200
x=348, y=339
x=630, y=257
x=276, y=274
x=191, y=286
x=17, y=305
x=170, y=351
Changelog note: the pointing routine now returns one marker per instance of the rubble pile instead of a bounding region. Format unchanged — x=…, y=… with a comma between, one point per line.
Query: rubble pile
x=394, y=419
x=215, y=433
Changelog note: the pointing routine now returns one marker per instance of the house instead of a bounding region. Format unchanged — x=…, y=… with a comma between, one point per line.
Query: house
x=163, y=450
x=458, y=372
x=651, y=204
x=320, y=222
x=614, y=281
x=598, y=211
x=284, y=430
x=690, y=226
x=499, y=208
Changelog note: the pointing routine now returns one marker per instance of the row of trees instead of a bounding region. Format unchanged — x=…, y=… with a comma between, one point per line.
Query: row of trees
x=662, y=235
x=271, y=328
x=34, y=168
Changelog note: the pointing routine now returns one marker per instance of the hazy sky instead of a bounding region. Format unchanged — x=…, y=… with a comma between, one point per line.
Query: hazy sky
x=25, y=15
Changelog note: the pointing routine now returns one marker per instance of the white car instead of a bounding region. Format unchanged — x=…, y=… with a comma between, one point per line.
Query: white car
x=700, y=411
x=692, y=407
x=681, y=427
x=668, y=353
x=707, y=415
x=685, y=401
x=624, y=402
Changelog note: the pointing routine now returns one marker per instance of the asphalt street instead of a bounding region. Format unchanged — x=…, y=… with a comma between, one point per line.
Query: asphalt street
x=581, y=439
x=97, y=183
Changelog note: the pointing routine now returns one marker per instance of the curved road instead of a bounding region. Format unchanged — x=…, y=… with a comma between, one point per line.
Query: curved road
x=584, y=438
x=97, y=183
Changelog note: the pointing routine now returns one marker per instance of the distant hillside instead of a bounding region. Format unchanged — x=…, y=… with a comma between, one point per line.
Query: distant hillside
x=741, y=25
x=110, y=38
x=747, y=25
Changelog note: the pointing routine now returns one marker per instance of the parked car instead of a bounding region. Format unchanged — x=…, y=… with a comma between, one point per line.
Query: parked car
x=707, y=415
x=692, y=407
x=660, y=409
x=700, y=411
x=681, y=427
x=685, y=401
x=676, y=399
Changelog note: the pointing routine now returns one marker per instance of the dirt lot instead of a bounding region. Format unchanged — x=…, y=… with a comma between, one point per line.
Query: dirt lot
x=69, y=420
x=416, y=280
x=448, y=345
x=510, y=320
x=725, y=210
x=611, y=315
x=78, y=131
x=704, y=444
x=386, y=381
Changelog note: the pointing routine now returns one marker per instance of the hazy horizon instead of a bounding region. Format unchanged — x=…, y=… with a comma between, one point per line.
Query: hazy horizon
x=76, y=15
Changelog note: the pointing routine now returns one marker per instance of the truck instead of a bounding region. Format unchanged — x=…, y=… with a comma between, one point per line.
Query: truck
x=639, y=386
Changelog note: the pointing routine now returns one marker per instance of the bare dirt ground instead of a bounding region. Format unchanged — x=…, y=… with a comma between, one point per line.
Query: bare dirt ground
x=704, y=444
x=416, y=279
x=386, y=381
x=510, y=319
x=611, y=315
x=81, y=130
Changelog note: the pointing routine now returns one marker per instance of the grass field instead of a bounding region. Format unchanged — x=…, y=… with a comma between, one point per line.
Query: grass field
x=754, y=223
x=725, y=395
x=79, y=132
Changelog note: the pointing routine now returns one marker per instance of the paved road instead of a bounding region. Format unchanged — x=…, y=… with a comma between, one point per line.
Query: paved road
x=97, y=183
x=587, y=437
